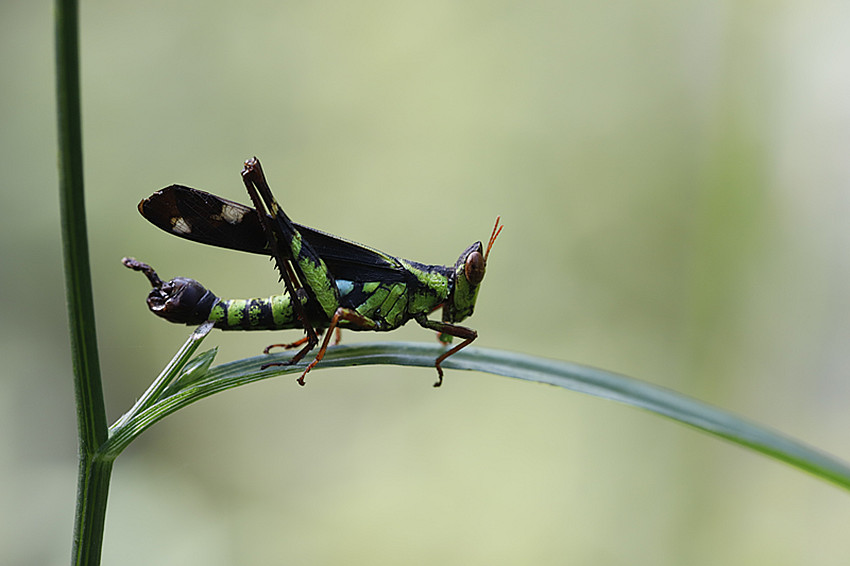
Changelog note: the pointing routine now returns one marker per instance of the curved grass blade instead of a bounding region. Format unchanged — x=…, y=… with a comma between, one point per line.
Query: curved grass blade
x=574, y=377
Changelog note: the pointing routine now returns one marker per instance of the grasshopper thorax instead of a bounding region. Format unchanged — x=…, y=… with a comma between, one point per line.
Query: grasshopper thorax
x=466, y=279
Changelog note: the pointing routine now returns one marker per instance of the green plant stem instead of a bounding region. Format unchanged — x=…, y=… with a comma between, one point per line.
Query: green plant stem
x=90, y=519
x=94, y=474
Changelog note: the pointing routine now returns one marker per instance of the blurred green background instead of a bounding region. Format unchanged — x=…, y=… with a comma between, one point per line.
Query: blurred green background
x=675, y=184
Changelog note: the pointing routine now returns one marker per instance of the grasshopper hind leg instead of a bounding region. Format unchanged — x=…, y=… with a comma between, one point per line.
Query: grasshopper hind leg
x=287, y=346
x=302, y=341
x=305, y=342
x=341, y=313
x=299, y=355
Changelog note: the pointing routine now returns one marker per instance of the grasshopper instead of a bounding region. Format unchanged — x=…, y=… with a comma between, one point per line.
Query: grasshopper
x=330, y=282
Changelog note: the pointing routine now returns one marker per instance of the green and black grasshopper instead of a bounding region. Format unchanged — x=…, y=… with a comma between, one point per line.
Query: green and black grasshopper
x=331, y=283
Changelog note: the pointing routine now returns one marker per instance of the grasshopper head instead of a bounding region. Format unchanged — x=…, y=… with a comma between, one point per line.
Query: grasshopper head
x=468, y=275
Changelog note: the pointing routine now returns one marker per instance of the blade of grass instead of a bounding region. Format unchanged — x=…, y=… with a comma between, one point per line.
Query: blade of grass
x=570, y=376
x=168, y=375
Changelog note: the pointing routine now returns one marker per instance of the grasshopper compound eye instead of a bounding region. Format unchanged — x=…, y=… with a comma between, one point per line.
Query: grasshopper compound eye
x=474, y=268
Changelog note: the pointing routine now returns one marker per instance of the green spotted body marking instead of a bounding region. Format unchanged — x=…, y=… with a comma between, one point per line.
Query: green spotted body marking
x=330, y=282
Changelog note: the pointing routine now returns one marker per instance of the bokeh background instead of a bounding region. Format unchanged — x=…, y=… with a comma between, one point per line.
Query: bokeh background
x=675, y=183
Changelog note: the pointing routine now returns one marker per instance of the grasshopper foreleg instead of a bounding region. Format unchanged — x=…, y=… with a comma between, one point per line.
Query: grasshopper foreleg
x=447, y=328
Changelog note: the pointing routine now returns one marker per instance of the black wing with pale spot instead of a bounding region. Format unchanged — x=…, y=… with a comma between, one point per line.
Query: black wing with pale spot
x=202, y=217
x=205, y=218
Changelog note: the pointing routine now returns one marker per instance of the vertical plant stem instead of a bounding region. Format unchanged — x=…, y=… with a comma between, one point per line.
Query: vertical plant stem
x=90, y=517
x=94, y=473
